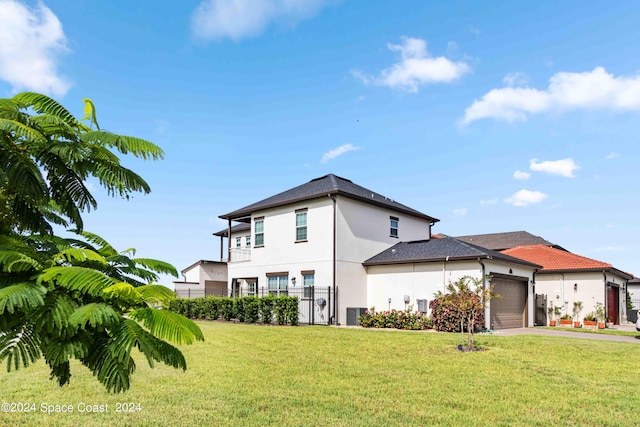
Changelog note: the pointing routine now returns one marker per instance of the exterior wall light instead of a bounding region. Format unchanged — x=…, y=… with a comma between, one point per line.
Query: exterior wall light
x=293, y=281
x=575, y=287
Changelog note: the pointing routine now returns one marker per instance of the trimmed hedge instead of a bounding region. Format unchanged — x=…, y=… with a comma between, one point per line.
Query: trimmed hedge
x=394, y=319
x=245, y=309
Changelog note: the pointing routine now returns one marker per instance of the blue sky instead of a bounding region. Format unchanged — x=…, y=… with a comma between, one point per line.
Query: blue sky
x=489, y=116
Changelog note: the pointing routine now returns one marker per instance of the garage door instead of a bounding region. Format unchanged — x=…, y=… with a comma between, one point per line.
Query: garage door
x=510, y=311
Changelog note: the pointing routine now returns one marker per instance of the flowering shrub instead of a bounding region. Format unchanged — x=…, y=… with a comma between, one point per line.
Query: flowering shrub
x=394, y=319
x=447, y=318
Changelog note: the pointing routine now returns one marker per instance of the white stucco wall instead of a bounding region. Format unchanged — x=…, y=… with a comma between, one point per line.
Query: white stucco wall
x=364, y=231
x=196, y=276
x=591, y=289
x=424, y=280
x=282, y=254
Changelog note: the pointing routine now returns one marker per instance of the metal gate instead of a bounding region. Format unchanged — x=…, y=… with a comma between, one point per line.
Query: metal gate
x=540, y=315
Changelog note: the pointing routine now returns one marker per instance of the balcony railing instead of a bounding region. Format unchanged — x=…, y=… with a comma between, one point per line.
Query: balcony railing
x=239, y=254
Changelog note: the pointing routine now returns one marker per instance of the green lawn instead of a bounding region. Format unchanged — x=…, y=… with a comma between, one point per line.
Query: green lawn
x=262, y=375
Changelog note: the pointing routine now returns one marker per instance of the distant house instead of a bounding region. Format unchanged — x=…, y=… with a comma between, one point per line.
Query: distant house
x=566, y=278
x=634, y=290
x=203, y=278
x=508, y=240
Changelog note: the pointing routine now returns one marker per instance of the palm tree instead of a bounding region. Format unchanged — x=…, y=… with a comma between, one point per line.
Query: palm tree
x=62, y=299
x=46, y=157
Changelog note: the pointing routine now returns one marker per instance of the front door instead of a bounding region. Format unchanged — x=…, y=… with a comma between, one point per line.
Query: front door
x=613, y=304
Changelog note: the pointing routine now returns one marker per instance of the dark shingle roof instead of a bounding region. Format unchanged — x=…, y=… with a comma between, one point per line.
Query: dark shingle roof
x=322, y=187
x=235, y=228
x=508, y=240
x=442, y=249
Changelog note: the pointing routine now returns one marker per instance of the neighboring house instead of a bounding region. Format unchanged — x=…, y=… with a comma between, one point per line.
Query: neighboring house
x=410, y=273
x=633, y=286
x=566, y=278
x=508, y=240
x=315, y=237
x=203, y=278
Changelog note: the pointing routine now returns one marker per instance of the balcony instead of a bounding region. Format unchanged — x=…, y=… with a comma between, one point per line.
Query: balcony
x=239, y=254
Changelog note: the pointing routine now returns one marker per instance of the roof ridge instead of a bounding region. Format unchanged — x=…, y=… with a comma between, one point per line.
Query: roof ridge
x=564, y=253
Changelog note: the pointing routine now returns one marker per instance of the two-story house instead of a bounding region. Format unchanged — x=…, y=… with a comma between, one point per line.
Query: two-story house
x=317, y=236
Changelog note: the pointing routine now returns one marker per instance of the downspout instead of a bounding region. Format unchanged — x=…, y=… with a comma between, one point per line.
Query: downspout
x=444, y=276
x=228, y=254
x=487, y=311
x=563, y=300
x=335, y=259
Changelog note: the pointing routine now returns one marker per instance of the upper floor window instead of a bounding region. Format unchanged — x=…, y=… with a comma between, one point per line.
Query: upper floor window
x=238, y=242
x=259, y=231
x=301, y=225
x=247, y=241
x=393, y=226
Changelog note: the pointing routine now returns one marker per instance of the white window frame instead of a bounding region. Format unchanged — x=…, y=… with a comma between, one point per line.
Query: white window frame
x=393, y=228
x=258, y=240
x=301, y=225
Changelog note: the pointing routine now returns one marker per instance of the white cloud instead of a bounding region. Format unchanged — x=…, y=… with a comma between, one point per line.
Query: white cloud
x=595, y=89
x=521, y=175
x=565, y=167
x=30, y=42
x=612, y=155
x=515, y=79
x=460, y=212
x=489, y=202
x=609, y=249
x=526, y=198
x=239, y=19
x=332, y=154
x=415, y=68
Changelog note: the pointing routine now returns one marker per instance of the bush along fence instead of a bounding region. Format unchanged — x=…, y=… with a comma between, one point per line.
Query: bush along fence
x=395, y=319
x=282, y=309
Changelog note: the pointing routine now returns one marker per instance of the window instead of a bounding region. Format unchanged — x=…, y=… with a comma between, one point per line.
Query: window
x=251, y=288
x=259, y=231
x=247, y=241
x=307, y=282
x=393, y=226
x=237, y=242
x=301, y=225
x=278, y=284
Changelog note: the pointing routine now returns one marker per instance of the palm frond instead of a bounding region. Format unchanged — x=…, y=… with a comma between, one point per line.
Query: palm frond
x=20, y=346
x=124, y=292
x=78, y=255
x=21, y=296
x=90, y=112
x=96, y=315
x=12, y=261
x=43, y=104
x=168, y=325
x=157, y=266
x=21, y=132
x=81, y=279
x=104, y=248
x=125, y=144
x=52, y=316
x=110, y=359
x=156, y=294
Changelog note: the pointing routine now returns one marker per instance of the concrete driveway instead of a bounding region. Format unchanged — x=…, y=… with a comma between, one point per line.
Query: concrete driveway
x=562, y=332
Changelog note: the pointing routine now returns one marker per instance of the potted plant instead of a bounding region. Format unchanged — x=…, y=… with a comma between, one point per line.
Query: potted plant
x=609, y=322
x=552, y=311
x=589, y=320
x=599, y=311
x=577, y=308
x=566, y=320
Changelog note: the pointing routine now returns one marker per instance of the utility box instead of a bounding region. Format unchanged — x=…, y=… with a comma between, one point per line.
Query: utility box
x=353, y=313
x=423, y=305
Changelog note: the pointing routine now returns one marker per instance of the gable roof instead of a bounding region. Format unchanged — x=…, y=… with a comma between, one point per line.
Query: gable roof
x=202, y=261
x=324, y=186
x=442, y=249
x=555, y=260
x=510, y=239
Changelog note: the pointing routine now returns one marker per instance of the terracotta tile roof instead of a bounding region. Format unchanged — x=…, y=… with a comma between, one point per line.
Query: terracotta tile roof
x=555, y=259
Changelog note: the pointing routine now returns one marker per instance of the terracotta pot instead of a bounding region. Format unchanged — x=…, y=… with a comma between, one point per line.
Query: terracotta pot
x=576, y=324
x=566, y=322
x=600, y=325
x=552, y=323
x=589, y=323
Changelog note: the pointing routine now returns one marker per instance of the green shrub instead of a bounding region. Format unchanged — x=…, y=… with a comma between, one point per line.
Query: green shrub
x=394, y=319
x=446, y=317
x=266, y=309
